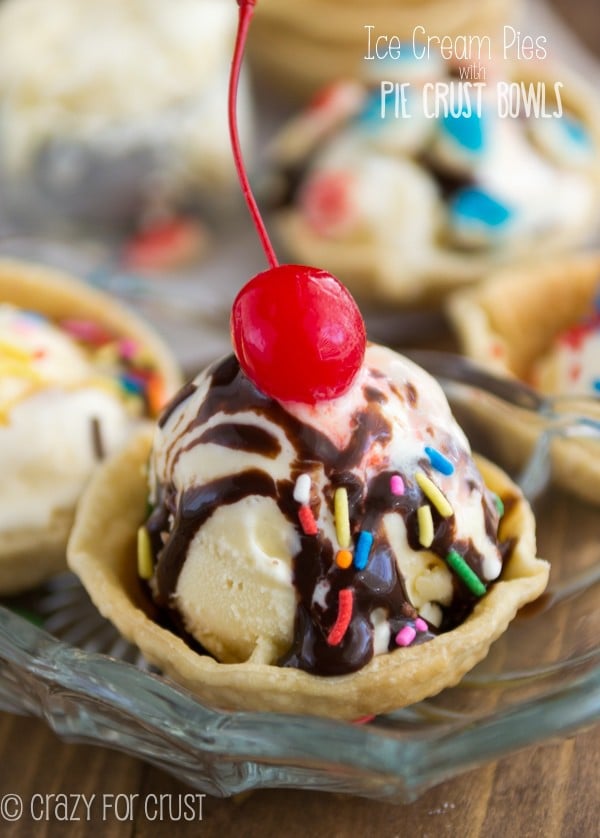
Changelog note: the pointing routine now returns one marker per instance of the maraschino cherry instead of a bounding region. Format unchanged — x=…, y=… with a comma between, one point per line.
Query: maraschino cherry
x=297, y=332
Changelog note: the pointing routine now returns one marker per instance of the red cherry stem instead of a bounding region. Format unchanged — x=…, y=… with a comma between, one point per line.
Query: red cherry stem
x=246, y=12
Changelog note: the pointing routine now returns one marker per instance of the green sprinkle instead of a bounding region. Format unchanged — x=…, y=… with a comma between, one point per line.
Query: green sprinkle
x=464, y=572
x=31, y=616
x=499, y=505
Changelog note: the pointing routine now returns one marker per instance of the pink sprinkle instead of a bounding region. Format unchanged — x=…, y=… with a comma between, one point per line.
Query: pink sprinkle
x=364, y=720
x=128, y=348
x=86, y=331
x=420, y=624
x=397, y=485
x=329, y=202
x=406, y=636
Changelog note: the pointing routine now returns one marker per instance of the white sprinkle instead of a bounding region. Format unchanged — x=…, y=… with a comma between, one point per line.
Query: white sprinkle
x=320, y=593
x=302, y=490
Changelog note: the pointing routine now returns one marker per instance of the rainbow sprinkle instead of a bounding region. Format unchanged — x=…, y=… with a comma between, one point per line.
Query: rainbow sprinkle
x=397, y=485
x=302, y=489
x=420, y=624
x=438, y=461
x=432, y=493
x=307, y=520
x=425, y=522
x=363, y=720
x=363, y=548
x=155, y=393
x=86, y=331
x=464, y=572
x=498, y=503
x=15, y=352
x=144, y=554
x=127, y=348
x=343, y=559
x=342, y=517
x=405, y=636
x=344, y=615
x=131, y=383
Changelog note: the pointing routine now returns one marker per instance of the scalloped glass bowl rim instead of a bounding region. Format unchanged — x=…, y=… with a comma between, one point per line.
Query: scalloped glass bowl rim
x=386, y=763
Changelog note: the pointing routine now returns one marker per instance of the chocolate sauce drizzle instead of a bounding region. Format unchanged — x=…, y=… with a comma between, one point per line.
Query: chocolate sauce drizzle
x=175, y=520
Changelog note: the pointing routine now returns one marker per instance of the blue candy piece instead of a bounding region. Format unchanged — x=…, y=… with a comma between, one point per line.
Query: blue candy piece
x=596, y=385
x=576, y=132
x=363, y=548
x=131, y=384
x=33, y=316
x=371, y=112
x=438, y=461
x=477, y=207
x=466, y=129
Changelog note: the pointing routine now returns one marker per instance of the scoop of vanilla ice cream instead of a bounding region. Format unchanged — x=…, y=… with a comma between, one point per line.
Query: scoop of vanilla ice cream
x=235, y=565
x=58, y=415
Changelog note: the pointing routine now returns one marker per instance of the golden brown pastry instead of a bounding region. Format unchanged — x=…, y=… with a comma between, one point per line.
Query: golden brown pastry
x=540, y=325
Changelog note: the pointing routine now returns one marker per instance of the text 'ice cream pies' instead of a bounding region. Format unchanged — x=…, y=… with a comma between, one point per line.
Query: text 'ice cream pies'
x=541, y=324
x=306, y=530
x=409, y=194
x=77, y=373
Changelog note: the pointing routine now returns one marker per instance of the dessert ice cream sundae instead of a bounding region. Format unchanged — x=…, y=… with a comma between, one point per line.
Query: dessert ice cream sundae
x=408, y=196
x=319, y=539
x=318, y=535
x=572, y=364
x=72, y=388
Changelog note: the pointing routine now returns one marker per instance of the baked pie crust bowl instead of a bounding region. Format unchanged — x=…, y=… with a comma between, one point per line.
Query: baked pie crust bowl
x=102, y=552
x=508, y=323
x=29, y=556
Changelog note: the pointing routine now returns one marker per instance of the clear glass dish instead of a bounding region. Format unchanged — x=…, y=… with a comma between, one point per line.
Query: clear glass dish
x=60, y=660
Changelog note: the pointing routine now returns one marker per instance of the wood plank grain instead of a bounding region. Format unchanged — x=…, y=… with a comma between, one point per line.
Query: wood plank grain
x=551, y=790
x=35, y=762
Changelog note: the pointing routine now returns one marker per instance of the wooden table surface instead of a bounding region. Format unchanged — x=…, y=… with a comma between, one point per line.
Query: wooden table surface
x=549, y=790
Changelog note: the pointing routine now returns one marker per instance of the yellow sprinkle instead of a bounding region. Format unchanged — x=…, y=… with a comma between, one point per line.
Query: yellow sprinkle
x=431, y=491
x=144, y=554
x=144, y=358
x=343, y=559
x=425, y=526
x=107, y=355
x=110, y=385
x=9, y=350
x=13, y=368
x=342, y=517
